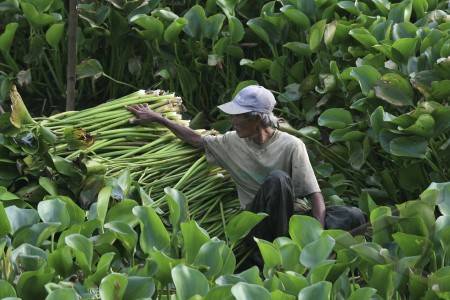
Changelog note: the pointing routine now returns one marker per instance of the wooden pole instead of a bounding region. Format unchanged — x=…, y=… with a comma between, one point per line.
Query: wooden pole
x=71, y=55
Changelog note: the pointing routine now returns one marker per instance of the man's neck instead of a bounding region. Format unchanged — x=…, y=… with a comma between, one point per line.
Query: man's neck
x=263, y=135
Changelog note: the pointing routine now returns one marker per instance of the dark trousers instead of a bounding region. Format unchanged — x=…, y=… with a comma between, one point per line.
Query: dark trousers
x=276, y=198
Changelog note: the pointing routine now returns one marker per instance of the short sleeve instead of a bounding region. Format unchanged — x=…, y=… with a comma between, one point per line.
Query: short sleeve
x=303, y=178
x=214, y=148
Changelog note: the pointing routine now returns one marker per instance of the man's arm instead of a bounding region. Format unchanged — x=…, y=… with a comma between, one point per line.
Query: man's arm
x=145, y=115
x=318, y=207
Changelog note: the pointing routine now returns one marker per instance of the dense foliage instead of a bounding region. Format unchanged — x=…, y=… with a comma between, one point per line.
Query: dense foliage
x=366, y=84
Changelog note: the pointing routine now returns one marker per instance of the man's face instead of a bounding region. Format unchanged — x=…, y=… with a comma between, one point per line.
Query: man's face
x=245, y=125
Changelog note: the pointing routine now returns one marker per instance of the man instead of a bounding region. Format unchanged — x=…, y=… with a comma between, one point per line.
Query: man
x=270, y=168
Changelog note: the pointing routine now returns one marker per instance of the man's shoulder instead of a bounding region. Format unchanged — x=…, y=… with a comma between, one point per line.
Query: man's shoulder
x=289, y=140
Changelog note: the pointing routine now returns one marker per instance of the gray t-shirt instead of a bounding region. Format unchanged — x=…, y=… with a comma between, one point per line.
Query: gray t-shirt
x=249, y=163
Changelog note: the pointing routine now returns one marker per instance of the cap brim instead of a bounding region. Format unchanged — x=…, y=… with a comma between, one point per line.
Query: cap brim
x=232, y=108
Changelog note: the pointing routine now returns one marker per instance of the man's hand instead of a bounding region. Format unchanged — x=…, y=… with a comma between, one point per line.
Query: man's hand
x=143, y=114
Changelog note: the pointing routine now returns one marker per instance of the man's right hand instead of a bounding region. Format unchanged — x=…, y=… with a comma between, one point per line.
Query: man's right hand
x=143, y=114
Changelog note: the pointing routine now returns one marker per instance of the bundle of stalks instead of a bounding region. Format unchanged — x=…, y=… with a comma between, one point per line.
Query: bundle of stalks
x=154, y=156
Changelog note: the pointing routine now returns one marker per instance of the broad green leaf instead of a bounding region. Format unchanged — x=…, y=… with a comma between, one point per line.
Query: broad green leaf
x=153, y=28
x=102, y=269
x=260, y=65
x=27, y=257
x=7, y=196
x=412, y=146
x=411, y=245
x=61, y=260
x=304, y=230
x=7, y=37
x=193, y=238
x=5, y=226
x=220, y=292
x=36, y=18
x=236, y=29
x=189, y=282
x=244, y=291
x=77, y=215
x=293, y=283
x=383, y=6
x=290, y=257
x=113, y=287
x=19, y=113
x=36, y=234
x=363, y=36
x=346, y=135
x=439, y=194
x=422, y=210
x=318, y=291
x=21, y=217
x=296, y=16
x=178, y=207
x=153, y=233
x=213, y=26
x=382, y=279
x=423, y=126
x=265, y=30
x=442, y=231
x=83, y=249
x=63, y=293
x=404, y=30
x=250, y=275
x=31, y=285
x=278, y=69
x=139, y=288
x=364, y=293
x=400, y=12
x=103, y=203
x=209, y=256
x=308, y=7
x=54, y=211
x=196, y=21
x=121, y=185
x=228, y=6
x=270, y=254
x=54, y=34
x=335, y=118
x=382, y=229
x=417, y=285
x=48, y=185
x=125, y=234
x=350, y=7
x=420, y=7
x=406, y=48
x=330, y=33
x=240, y=225
x=316, y=35
x=300, y=49
x=316, y=252
x=440, y=90
x=164, y=266
x=89, y=68
x=123, y=212
x=369, y=252
x=366, y=76
x=6, y=289
x=320, y=271
x=174, y=29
